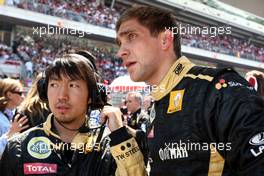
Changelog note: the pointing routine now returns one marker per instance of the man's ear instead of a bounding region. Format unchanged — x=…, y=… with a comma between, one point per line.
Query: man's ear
x=166, y=39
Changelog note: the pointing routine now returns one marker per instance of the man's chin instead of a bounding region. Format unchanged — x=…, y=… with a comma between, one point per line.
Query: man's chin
x=135, y=78
x=62, y=118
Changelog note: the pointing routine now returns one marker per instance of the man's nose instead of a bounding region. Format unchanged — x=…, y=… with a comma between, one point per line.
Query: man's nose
x=63, y=93
x=123, y=52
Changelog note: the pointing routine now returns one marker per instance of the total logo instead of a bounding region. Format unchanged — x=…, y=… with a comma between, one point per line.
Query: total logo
x=257, y=140
x=38, y=147
x=39, y=168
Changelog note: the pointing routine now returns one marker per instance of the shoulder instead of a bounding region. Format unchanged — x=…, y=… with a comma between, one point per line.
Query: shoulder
x=228, y=86
x=218, y=77
x=21, y=138
x=209, y=71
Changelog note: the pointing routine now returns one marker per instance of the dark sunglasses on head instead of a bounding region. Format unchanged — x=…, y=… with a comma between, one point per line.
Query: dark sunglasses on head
x=18, y=92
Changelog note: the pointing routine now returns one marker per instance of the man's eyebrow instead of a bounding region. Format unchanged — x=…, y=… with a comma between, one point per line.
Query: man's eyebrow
x=123, y=33
x=54, y=78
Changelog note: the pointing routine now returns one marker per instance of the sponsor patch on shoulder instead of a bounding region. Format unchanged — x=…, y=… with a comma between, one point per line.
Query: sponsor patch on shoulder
x=39, y=147
x=175, y=103
x=221, y=84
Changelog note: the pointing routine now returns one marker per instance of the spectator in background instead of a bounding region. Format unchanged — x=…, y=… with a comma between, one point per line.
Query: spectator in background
x=10, y=97
x=137, y=121
x=29, y=69
x=4, y=52
x=123, y=106
x=148, y=102
x=256, y=80
x=123, y=109
x=33, y=107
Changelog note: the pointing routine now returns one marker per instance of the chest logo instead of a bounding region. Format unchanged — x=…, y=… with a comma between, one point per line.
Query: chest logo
x=39, y=168
x=39, y=147
x=175, y=103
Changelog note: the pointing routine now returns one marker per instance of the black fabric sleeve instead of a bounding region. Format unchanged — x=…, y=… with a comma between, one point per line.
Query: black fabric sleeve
x=235, y=117
x=118, y=136
x=9, y=164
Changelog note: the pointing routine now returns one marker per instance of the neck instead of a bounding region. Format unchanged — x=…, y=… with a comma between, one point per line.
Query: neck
x=65, y=131
x=136, y=110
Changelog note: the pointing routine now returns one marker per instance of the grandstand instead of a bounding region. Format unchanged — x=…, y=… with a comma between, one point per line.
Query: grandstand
x=31, y=34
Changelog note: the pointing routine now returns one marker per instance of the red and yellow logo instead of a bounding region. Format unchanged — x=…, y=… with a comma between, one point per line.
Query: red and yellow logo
x=220, y=84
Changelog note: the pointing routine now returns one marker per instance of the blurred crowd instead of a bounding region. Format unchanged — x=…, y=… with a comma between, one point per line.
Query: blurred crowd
x=38, y=54
x=98, y=14
x=88, y=11
x=226, y=45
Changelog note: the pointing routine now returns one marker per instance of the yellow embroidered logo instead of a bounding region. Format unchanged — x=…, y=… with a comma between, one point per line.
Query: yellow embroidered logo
x=175, y=101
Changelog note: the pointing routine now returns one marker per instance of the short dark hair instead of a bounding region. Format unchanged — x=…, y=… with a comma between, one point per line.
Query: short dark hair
x=76, y=67
x=155, y=19
x=72, y=65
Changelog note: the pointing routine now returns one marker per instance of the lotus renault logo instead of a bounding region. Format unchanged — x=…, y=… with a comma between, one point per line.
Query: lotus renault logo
x=257, y=139
x=38, y=147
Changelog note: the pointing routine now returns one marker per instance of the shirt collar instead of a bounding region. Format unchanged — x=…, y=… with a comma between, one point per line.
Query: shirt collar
x=175, y=74
x=78, y=140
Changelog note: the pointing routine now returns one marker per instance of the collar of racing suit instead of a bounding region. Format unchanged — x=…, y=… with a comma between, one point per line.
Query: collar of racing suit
x=88, y=138
x=175, y=74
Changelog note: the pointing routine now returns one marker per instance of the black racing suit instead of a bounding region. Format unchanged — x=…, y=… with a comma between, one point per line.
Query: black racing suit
x=206, y=122
x=40, y=151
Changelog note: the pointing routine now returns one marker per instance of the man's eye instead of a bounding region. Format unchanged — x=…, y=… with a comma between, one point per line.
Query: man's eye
x=53, y=85
x=74, y=85
x=131, y=36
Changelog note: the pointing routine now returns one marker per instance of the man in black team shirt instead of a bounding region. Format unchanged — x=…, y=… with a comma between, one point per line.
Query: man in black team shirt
x=206, y=121
x=65, y=144
x=138, y=118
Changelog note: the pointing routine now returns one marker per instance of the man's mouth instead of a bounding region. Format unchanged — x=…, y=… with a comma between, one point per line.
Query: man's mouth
x=129, y=64
x=62, y=109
